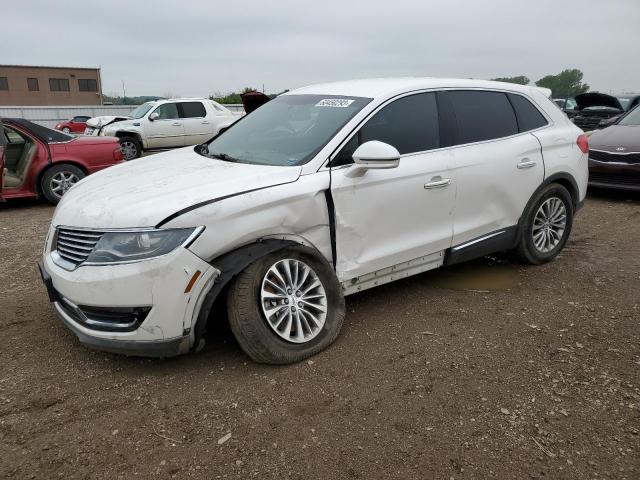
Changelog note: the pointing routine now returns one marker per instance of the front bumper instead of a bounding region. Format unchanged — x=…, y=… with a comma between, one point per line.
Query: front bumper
x=621, y=176
x=158, y=285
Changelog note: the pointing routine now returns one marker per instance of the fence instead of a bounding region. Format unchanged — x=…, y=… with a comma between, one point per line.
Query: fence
x=50, y=116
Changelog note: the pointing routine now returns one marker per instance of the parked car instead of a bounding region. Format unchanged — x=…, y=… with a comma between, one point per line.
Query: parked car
x=76, y=125
x=593, y=108
x=320, y=193
x=164, y=124
x=41, y=161
x=614, y=154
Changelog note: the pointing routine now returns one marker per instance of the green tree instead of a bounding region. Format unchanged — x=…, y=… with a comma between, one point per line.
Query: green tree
x=520, y=80
x=567, y=83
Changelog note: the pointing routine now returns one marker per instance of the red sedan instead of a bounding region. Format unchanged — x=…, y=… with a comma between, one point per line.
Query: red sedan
x=40, y=161
x=76, y=125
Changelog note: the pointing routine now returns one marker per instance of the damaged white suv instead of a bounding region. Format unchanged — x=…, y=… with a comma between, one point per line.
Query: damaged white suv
x=323, y=192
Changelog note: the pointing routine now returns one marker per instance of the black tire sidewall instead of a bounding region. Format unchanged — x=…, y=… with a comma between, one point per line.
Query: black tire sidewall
x=45, y=182
x=136, y=142
x=250, y=326
x=527, y=248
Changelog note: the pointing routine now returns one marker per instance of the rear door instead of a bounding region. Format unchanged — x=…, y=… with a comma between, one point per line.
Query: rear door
x=198, y=127
x=3, y=142
x=498, y=165
x=167, y=130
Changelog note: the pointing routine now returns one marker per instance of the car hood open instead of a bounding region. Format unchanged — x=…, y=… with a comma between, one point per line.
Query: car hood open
x=595, y=99
x=144, y=192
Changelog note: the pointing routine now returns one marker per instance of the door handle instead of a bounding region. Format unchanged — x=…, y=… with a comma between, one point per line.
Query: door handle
x=437, y=182
x=526, y=163
x=176, y=124
x=205, y=122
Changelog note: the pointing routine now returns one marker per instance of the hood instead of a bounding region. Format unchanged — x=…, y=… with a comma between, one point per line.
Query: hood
x=143, y=192
x=617, y=136
x=97, y=122
x=253, y=100
x=595, y=99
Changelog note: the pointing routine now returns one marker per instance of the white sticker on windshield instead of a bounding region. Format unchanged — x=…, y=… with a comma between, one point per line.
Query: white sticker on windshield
x=334, y=102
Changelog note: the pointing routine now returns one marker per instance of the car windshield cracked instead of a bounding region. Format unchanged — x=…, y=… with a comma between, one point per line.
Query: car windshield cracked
x=289, y=130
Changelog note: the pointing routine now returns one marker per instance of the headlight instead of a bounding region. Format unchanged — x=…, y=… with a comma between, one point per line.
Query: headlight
x=127, y=246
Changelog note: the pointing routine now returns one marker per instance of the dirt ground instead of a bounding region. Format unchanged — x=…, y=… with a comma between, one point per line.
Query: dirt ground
x=486, y=370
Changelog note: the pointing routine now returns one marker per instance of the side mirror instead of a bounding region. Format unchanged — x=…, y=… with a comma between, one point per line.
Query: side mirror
x=154, y=116
x=375, y=154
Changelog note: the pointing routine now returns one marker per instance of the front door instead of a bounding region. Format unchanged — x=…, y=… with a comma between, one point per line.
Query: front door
x=384, y=218
x=167, y=130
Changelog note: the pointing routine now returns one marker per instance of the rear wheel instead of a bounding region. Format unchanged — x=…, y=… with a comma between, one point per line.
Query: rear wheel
x=547, y=225
x=131, y=148
x=58, y=180
x=286, y=307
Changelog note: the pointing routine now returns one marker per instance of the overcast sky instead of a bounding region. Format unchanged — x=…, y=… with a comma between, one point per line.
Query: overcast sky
x=198, y=47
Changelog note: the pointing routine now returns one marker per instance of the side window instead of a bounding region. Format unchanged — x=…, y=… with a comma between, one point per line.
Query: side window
x=482, y=115
x=80, y=119
x=13, y=137
x=410, y=124
x=167, y=111
x=192, y=110
x=529, y=117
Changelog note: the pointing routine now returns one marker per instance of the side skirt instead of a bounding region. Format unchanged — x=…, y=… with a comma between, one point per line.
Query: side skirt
x=395, y=272
x=503, y=239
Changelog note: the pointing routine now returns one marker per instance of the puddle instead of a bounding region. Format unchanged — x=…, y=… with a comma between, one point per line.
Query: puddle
x=487, y=274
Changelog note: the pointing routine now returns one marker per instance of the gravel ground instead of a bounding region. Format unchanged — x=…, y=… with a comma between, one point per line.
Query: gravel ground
x=487, y=370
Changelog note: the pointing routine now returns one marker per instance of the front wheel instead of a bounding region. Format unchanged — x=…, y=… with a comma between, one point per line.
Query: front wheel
x=130, y=147
x=66, y=130
x=546, y=225
x=286, y=306
x=58, y=180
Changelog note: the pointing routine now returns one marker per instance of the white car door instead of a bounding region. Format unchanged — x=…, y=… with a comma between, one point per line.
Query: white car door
x=199, y=126
x=498, y=166
x=385, y=218
x=167, y=130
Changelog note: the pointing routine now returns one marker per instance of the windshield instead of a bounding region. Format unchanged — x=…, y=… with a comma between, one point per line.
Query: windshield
x=632, y=118
x=140, y=111
x=289, y=130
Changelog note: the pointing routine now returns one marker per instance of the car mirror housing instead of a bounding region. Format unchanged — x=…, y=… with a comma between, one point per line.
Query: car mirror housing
x=375, y=154
x=154, y=116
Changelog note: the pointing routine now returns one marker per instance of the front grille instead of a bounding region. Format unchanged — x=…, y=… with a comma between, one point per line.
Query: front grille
x=600, y=156
x=105, y=319
x=74, y=245
x=615, y=179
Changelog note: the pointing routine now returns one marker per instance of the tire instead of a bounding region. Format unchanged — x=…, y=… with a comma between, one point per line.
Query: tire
x=131, y=148
x=258, y=337
x=58, y=179
x=66, y=130
x=542, y=239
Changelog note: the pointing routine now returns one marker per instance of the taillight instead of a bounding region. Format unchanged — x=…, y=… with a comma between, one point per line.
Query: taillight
x=583, y=143
x=117, y=154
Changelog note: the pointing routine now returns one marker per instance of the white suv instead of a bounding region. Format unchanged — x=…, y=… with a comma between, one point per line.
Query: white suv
x=177, y=122
x=323, y=192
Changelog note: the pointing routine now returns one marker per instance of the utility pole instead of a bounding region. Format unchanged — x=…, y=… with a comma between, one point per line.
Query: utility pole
x=124, y=92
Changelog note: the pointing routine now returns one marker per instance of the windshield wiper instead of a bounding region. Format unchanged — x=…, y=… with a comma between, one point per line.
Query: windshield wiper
x=225, y=157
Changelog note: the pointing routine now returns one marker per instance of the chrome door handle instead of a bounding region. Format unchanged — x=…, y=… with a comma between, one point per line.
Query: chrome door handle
x=205, y=122
x=443, y=182
x=526, y=163
x=176, y=124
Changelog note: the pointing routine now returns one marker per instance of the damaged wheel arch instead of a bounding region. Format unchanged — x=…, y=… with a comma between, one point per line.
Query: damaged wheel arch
x=231, y=264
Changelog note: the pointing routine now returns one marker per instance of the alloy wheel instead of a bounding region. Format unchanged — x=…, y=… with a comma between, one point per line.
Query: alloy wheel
x=129, y=150
x=62, y=181
x=293, y=301
x=549, y=224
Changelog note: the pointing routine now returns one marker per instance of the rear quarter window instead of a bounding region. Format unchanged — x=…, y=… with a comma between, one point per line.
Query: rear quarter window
x=529, y=117
x=482, y=115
